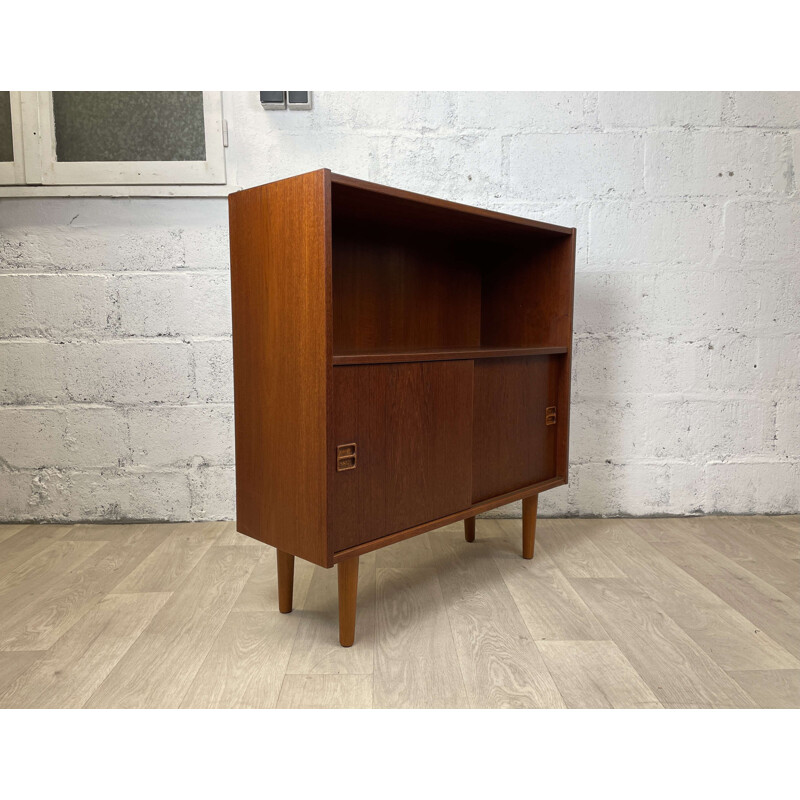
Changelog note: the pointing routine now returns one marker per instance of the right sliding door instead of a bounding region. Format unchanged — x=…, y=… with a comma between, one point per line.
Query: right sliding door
x=514, y=439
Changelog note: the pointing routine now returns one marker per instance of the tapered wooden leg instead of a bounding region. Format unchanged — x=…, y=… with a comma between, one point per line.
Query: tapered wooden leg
x=285, y=581
x=529, y=507
x=469, y=529
x=348, y=591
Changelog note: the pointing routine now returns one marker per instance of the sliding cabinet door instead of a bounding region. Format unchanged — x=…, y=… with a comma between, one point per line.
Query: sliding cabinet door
x=513, y=445
x=402, y=452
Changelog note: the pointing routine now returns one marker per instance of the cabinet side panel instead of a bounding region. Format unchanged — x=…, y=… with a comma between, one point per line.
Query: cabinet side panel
x=278, y=283
x=564, y=386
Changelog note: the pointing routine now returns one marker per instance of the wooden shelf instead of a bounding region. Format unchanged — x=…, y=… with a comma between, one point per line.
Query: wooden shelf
x=441, y=354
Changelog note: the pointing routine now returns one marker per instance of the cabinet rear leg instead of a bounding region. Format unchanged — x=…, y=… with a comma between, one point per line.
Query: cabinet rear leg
x=348, y=591
x=529, y=507
x=285, y=581
x=469, y=529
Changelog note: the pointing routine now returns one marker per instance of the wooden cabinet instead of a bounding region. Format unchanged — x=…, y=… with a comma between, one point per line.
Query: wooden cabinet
x=400, y=363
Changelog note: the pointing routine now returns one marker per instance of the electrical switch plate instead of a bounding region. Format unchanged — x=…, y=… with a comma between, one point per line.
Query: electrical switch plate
x=273, y=100
x=299, y=100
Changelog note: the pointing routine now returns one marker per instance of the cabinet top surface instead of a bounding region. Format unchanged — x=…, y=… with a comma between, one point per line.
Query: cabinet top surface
x=356, y=198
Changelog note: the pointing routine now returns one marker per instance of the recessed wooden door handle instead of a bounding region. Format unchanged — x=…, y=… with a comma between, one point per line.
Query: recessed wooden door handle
x=346, y=456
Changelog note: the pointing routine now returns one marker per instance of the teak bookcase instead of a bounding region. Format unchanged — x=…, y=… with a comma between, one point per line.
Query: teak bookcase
x=400, y=363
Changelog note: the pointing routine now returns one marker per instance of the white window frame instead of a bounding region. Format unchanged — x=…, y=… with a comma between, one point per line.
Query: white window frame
x=38, y=173
x=12, y=172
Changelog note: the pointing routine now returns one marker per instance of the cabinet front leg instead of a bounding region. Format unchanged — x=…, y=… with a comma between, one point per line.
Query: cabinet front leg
x=285, y=581
x=348, y=591
x=529, y=507
x=469, y=529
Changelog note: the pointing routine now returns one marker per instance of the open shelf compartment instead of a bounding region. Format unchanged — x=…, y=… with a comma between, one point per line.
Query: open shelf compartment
x=415, y=278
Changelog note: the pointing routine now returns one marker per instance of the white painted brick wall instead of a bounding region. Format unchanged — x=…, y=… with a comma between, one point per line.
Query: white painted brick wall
x=660, y=109
x=116, y=394
x=713, y=163
x=578, y=165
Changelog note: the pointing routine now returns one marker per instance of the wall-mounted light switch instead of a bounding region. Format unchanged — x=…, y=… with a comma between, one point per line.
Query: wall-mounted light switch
x=299, y=100
x=273, y=100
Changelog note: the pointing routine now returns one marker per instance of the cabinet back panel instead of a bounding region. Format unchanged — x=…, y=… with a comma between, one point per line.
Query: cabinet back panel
x=512, y=447
x=526, y=296
x=401, y=290
x=412, y=426
x=393, y=290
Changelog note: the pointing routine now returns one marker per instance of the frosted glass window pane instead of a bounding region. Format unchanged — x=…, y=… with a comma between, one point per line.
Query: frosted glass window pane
x=6, y=139
x=129, y=126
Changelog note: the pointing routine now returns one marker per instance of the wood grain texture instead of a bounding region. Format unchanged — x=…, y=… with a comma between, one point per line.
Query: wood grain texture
x=80, y=660
x=549, y=605
x=673, y=666
x=570, y=545
x=165, y=568
x=7, y=531
x=331, y=270
x=408, y=302
x=65, y=601
x=416, y=665
x=245, y=666
x=280, y=285
x=723, y=633
x=770, y=610
x=473, y=510
x=316, y=650
x=374, y=203
x=530, y=506
x=44, y=569
x=744, y=544
x=230, y=537
x=260, y=593
x=285, y=566
x=326, y=691
x=347, y=577
x=13, y=664
x=27, y=543
x=791, y=522
x=29, y=616
x=414, y=552
x=159, y=667
x=527, y=296
x=396, y=356
x=91, y=532
x=218, y=640
x=595, y=675
x=412, y=427
x=654, y=529
x=779, y=534
x=499, y=661
x=511, y=445
x=772, y=688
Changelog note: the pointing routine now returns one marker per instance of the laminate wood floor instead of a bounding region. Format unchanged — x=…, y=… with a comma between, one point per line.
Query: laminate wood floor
x=642, y=613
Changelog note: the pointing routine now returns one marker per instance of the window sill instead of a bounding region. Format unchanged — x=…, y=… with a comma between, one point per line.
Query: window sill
x=166, y=190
